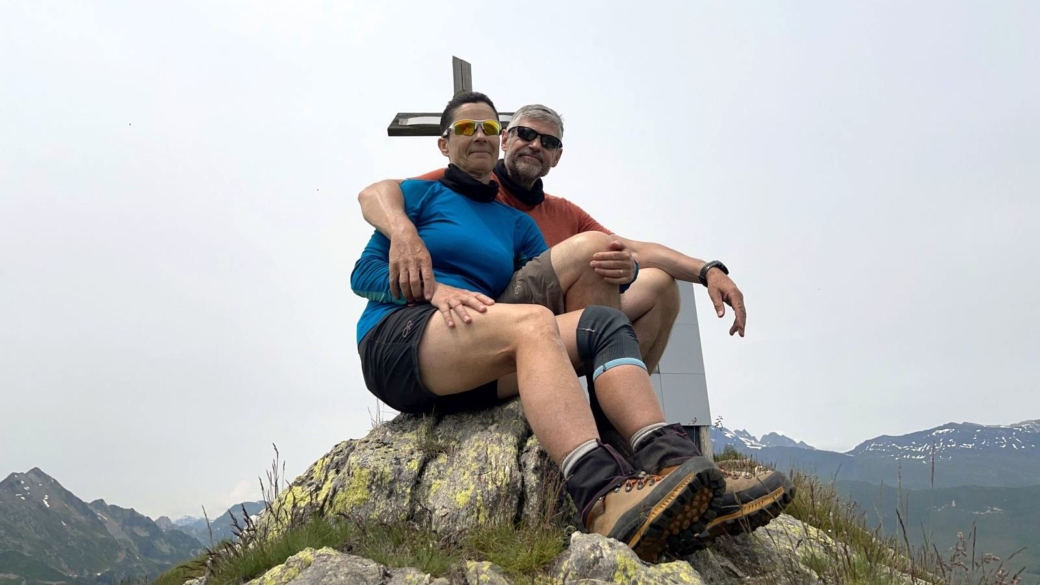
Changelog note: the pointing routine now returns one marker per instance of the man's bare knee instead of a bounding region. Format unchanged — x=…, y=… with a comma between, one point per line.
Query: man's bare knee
x=571, y=260
x=585, y=244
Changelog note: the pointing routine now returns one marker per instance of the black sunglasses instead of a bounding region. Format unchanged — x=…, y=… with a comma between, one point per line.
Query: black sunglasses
x=529, y=134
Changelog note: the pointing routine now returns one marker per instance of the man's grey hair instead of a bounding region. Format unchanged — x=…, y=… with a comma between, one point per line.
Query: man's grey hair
x=538, y=112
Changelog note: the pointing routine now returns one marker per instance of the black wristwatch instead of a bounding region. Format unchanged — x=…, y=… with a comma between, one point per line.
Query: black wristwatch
x=713, y=264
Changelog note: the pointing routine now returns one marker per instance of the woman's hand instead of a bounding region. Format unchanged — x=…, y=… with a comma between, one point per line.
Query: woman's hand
x=454, y=301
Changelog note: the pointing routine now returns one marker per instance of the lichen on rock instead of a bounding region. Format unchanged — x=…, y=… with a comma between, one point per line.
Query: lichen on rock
x=456, y=472
x=477, y=480
x=450, y=473
x=591, y=556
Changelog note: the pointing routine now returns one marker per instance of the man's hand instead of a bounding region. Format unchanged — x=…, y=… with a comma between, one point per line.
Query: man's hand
x=722, y=289
x=411, y=269
x=449, y=300
x=616, y=266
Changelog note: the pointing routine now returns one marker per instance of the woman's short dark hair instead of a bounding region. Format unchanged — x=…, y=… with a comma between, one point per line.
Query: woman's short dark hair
x=468, y=97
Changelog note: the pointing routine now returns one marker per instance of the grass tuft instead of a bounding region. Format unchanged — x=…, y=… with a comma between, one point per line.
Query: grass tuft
x=865, y=555
x=405, y=545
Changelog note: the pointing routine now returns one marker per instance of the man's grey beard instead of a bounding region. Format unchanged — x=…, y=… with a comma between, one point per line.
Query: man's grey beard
x=524, y=172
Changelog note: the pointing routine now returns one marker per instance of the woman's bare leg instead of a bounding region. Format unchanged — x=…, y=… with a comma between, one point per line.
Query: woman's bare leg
x=513, y=338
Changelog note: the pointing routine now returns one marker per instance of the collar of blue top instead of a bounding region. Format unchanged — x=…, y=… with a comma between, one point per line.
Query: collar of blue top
x=460, y=182
x=532, y=196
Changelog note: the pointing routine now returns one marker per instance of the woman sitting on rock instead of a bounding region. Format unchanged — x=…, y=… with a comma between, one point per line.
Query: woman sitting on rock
x=416, y=364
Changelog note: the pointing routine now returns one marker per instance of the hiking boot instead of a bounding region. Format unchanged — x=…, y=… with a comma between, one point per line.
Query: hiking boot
x=669, y=450
x=754, y=496
x=643, y=511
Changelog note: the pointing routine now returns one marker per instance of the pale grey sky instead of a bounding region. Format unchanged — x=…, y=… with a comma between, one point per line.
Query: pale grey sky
x=178, y=216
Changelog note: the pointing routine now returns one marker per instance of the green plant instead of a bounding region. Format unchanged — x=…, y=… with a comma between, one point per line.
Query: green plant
x=427, y=440
x=524, y=551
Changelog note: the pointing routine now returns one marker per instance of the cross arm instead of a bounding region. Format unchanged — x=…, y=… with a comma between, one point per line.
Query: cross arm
x=426, y=124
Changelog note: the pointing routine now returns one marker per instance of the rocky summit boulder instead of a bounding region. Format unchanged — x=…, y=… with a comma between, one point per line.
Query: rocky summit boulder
x=451, y=473
x=456, y=472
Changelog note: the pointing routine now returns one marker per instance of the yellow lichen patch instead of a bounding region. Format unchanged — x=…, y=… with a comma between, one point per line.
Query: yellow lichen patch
x=464, y=495
x=287, y=571
x=483, y=572
x=416, y=578
x=273, y=522
x=356, y=492
x=293, y=566
x=326, y=489
x=436, y=486
x=413, y=465
x=630, y=570
x=481, y=463
x=677, y=572
x=627, y=569
x=319, y=466
x=296, y=496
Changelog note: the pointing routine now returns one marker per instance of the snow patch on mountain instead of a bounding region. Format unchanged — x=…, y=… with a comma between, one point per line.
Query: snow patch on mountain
x=743, y=440
x=941, y=442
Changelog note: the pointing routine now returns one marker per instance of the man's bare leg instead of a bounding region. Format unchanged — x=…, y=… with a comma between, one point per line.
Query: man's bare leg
x=652, y=304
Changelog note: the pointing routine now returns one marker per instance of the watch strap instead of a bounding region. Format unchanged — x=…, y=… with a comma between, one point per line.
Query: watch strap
x=703, y=276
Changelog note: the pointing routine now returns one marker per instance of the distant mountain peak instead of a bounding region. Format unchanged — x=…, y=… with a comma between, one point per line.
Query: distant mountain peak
x=741, y=439
x=69, y=538
x=36, y=486
x=946, y=440
x=952, y=454
x=39, y=476
x=778, y=440
x=221, y=526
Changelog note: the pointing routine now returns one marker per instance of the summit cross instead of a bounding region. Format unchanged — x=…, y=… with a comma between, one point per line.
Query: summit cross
x=428, y=124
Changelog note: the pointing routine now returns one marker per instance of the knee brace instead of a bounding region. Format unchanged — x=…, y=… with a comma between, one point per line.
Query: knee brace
x=605, y=337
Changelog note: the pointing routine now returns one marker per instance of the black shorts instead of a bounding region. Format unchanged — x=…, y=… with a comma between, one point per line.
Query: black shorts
x=390, y=364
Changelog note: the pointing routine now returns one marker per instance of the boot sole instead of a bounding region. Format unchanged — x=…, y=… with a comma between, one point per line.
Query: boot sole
x=691, y=502
x=753, y=515
x=750, y=517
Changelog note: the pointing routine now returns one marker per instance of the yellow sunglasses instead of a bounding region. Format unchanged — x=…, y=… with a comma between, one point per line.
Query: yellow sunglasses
x=469, y=127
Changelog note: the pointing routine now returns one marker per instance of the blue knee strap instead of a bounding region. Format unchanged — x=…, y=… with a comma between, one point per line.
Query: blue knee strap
x=605, y=337
x=618, y=362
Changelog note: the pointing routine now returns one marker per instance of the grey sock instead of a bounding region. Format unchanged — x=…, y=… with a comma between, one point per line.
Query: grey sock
x=641, y=434
x=573, y=457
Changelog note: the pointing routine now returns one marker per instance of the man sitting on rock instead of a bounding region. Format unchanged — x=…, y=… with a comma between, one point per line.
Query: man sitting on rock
x=533, y=146
x=418, y=364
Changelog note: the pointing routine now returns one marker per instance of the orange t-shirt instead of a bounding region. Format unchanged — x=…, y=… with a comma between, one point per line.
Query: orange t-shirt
x=558, y=218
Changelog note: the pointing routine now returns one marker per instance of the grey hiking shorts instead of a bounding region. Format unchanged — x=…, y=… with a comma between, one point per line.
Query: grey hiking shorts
x=535, y=284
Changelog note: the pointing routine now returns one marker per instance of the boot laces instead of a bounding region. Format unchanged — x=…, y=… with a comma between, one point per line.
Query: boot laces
x=638, y=482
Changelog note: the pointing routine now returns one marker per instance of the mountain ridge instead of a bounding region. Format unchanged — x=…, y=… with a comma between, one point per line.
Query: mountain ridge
x=949, y=455
x=45, y=530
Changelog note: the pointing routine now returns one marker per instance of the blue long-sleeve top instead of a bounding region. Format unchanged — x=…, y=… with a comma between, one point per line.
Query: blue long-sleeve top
x=475, y=242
